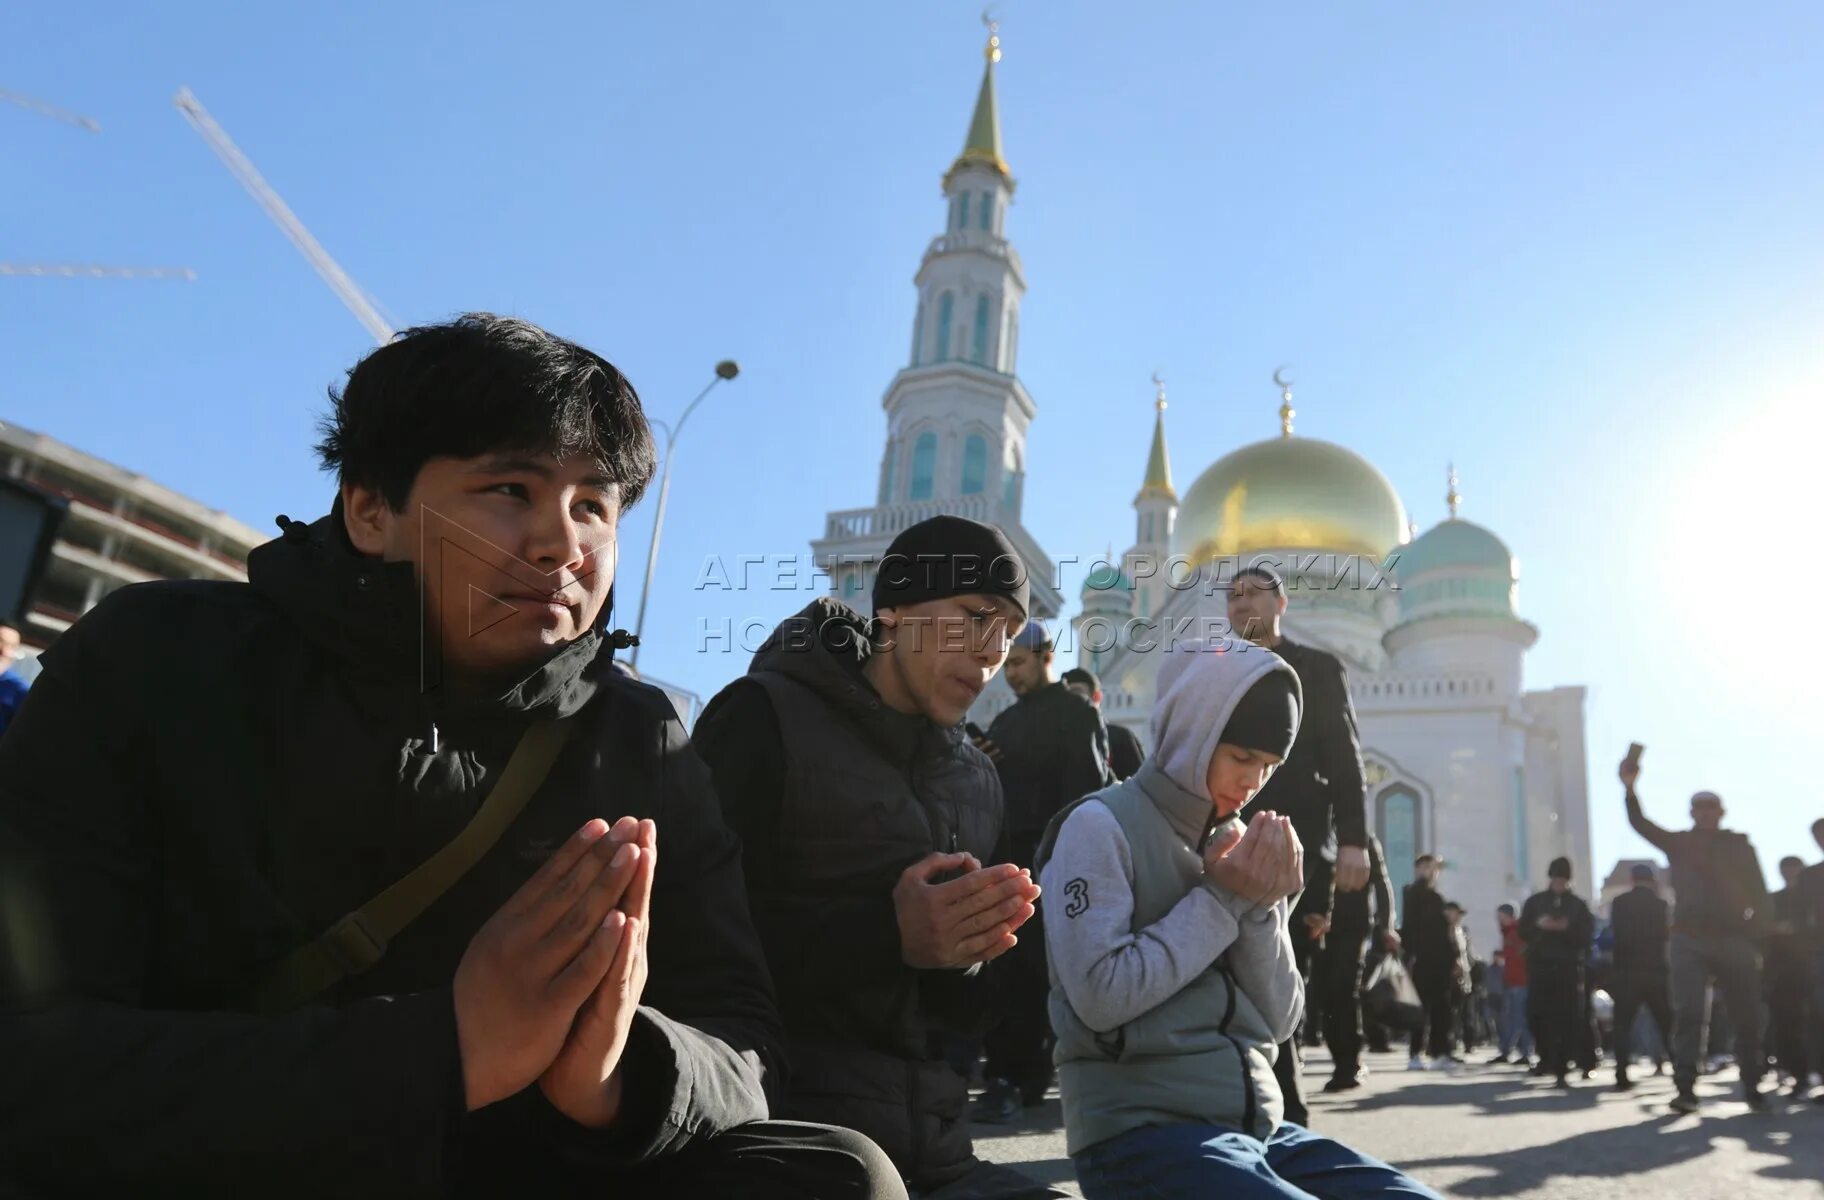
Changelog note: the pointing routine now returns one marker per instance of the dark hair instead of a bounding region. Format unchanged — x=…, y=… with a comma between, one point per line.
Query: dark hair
x=1422, y=859
x=1452, y=905
x=482, y=384
x=8, y=621
x=1085, y=677
x=1817, y=827
x=1794, y=859
x=1265, y=574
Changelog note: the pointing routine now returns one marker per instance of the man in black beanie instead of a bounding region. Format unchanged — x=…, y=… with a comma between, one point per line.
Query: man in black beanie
x=867, y=815
x=1639, y=921
x=1556, y=926
x=1125, y=753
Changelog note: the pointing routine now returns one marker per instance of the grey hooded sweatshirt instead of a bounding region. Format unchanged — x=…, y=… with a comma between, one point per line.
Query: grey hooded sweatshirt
x=1169, y=994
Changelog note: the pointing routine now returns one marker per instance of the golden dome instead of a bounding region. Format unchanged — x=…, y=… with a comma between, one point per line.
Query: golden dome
x=1290, y=493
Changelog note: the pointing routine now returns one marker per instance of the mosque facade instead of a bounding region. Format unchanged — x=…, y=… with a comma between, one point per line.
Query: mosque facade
x=1462, y=759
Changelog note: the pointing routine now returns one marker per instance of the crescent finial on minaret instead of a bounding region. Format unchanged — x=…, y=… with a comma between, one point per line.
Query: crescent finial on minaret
x=993, y=52
x=1159, y=395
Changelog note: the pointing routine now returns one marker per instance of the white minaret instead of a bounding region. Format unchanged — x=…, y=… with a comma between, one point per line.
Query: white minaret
x=957, y=414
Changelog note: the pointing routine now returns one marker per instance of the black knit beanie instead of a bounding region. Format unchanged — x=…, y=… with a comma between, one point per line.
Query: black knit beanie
x=950, y=556
x=1266, y=719
x=1560, y=869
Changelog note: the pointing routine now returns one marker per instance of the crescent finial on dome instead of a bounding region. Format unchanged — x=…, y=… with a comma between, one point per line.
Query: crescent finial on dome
x=1452, y=497
x=1286, y=411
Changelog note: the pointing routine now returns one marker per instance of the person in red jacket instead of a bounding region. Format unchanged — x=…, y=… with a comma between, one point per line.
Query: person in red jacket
x=1514, y=1035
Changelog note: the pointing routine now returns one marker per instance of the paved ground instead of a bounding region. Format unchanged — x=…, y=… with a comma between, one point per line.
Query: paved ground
x=1493, y=1132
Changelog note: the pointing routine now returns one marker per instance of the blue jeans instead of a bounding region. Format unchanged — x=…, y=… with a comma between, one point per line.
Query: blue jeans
x=1195, y=1162
x=1514, y=1032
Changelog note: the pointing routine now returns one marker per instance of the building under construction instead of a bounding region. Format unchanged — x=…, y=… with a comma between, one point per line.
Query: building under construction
x=119, y=528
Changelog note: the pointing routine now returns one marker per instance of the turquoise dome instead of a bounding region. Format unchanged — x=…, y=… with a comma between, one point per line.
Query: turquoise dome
x=1107, y=578
x=1456, y=568
x=1454, y=543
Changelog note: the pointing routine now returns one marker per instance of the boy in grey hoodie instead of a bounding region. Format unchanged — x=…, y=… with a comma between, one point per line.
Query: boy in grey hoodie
x=1171, y=967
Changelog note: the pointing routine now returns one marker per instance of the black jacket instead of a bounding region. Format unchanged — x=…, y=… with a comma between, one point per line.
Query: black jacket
x=1425, y=935
x=206, y=776
x=1716, y=877
x=1320, y=785
x=1053, y=752
x=834, y=795
x=1547, y=948
x=1638, y=920
x=1124, y=751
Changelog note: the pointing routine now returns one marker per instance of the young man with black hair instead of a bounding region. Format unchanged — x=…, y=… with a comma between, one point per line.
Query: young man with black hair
x=867, y=814
x=1125, y=754
x=1321, y=787
x=1638, y=979
x=1557, y=926
x=402, y=731
x=1050, y=747
x=1721, y=915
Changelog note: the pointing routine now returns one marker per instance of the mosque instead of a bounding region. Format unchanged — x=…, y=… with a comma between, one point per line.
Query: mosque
x=1461, y=758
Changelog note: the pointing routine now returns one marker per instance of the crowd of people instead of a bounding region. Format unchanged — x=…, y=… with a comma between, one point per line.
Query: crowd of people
x=321, y=884
x=1694, y=985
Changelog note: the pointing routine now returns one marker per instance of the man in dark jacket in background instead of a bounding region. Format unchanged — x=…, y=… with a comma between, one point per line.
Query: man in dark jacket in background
x=1557, y=926
x=1637, y=919
x=1811, y=940
x=1320, y=786
x=1431, y=951
x=209, y=775
x=1338, y=970
x=867, y=816
x=1721, y=914
x=1051, y=749
x=1789, y=1000
x=1125, y=754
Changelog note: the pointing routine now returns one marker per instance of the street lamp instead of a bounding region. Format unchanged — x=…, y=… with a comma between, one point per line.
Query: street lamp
x=726, y=369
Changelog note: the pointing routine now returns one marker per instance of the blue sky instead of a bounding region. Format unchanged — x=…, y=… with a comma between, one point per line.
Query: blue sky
x=1573, y=247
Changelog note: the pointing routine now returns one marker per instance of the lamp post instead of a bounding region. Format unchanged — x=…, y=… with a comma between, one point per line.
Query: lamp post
x=726, y=369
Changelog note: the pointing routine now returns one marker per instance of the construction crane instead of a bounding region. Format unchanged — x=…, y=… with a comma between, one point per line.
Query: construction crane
x=51, y=111
x=365, y=307
x=78, y=270
x=94, y=271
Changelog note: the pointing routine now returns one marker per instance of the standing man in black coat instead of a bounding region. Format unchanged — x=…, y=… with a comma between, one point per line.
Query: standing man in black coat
x=868, y=819
x=1125, y=753
x=1320, y=786
x=1789, y=1000
x=1338, y=970
x=209, y=776
x=1638, y=919
x=1431, y=950
x=1557, y=926
x=1051, y=749
x=1721, y=916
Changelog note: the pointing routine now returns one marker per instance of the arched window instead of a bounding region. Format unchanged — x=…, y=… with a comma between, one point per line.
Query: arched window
x=1397, y=817
x=987, y=218
x=946, y=314
x=975, y=464
x=1010, y=487
x=918, y=333
x=978, y=350
x=963, y=220
x=924, y=466
x=886, y=475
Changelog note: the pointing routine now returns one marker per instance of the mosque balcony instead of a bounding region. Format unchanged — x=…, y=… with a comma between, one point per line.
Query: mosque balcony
x=978, y=241
x=889, y=520
x=1425, y=689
